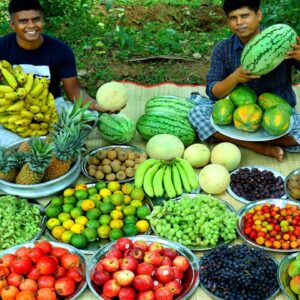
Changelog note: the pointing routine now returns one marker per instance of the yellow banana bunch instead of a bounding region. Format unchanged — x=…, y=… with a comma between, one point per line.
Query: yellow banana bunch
x=29, y=82
x=37, y=87
x=9, y=77
x=20, y=74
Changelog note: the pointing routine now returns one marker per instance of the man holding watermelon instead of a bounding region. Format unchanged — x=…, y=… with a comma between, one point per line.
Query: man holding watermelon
x=226, y=72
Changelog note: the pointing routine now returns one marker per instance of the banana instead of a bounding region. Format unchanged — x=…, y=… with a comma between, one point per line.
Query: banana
x=23, y=121
x=9, y=77
x=7, y=65
x=4, y=89
x=44, y=125
x=26, y=114
x=176, y=180
x=35, y=126
x=13, y=118
x=168, y=183
x=11, y=96
x=37, y=88
x=148, y=179
x=4, y=108
x=141, y=170
x=44, y=108
x=29, y=82
x=21, y=92
x=16, y=107
x=41, y=132
x=3, y=118
x=34, y=109
x=43, y=96
x=192, y=178
x=47, y=119
x=38, y=117
x=21, y=77
x=183, y=176
x=21, y=128
x=158, y=182
x=26, y=133
x=4, y=102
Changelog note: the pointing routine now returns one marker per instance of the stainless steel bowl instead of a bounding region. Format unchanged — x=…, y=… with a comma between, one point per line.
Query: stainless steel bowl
x=41, y=189
x=241, y=213
x=83, y=264
x=43, y=221
x=283, y=277
x=190, y=281
x=286, y=189
x=199, y=248
x=94, y=151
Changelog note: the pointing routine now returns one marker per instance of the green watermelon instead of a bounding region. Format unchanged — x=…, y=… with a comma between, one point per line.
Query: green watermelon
x=267, y=100
x=242, y=95
x=222, y=113
x=116, y=128
x=265, y=51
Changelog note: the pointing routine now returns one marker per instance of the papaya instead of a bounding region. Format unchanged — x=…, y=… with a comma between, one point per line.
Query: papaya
x=223, y=112
x=248, y=117
x=276, y=120
x=242, y=95
x=267, y=100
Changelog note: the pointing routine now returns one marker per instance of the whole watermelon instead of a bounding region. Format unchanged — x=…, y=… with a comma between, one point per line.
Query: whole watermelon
x=116, y=128
x=222, y=113
x=267, y=100
x=242, y=95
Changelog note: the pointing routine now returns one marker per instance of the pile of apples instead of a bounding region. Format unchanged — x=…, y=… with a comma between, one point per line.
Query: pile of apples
x=139, y=271
x=41, y=272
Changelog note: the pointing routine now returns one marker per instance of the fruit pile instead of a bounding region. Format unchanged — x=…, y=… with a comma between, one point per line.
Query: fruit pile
x=27, y=106
x=19, y=221
x=166, y=179
x=203, y=221
x=293, y=185
x=102, y=211
x=294, y=274
x=138, y=270
x=238, y=272
x=272, y=226
x=40, y=272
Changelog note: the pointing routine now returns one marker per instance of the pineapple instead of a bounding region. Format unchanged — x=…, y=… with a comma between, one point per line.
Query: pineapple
x=8, y=164
x=24, y=147
x=36, y=161
x=67, y=146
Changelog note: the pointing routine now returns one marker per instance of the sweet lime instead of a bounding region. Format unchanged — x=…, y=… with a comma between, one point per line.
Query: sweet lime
x=67, y=207
x=75, y=212
x=116, y=215
x=104, y=192
x=116, y=224
x=104, y=219
x=90, y=234
x=79, y=202
x=68, y=224
x=78, y=241
x=92, y=190
x=127, y=188
x=100, y=185
x=66, y=236
x=103, y=231
x=52, y=211
x=137, y=194
x=57, y=201
x=129, y=210
x=115, y=234
x=81, y=194
x=77, y=228
x=142, y=226
x=143, y=211
x=87, y=204
x=117, y=199
x=95, y=197
x=114, y=186
x=69, y=192
x=92, y=224
x=70, y=200
x=127, y=199
x=130, y=220
x=106, y=207
x=81, y=220
x=57, y=232
x=64, y=216
x=52, y=223
x=130, y=230
x=107, y=199
x=93, y=213
x=136, y=203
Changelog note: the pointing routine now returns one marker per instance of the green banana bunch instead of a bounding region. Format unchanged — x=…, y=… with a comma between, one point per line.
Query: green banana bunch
x=189, y=172
x=148, y=179
x=168, y=183
x=141, y=171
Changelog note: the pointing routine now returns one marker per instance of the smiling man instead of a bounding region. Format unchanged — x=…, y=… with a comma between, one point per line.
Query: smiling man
x=243, y=19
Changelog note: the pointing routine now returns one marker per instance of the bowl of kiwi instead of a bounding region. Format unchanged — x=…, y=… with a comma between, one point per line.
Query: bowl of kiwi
x=292, y=185
x=112, y=163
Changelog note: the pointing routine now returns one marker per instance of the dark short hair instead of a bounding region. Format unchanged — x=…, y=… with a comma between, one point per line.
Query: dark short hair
x=18, y=5
x=230, y=5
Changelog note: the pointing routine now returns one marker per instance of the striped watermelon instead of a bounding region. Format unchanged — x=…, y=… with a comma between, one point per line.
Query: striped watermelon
x=116, y=128
x=152, y=124
x=265, y=51
x=168, y=104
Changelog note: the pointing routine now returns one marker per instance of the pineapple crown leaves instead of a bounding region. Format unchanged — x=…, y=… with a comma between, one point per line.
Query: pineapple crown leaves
x=8, y=159
x=39, y=155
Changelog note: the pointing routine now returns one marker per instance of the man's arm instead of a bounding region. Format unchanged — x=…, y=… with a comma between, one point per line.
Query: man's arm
x=295, y=53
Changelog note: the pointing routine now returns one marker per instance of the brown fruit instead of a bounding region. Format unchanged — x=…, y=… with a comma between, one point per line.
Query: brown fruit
x=110, y=177
x=111, y=154
x=121, y=175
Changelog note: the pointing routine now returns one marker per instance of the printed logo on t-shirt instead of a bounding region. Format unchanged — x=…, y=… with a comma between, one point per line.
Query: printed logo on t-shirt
x=37, y=71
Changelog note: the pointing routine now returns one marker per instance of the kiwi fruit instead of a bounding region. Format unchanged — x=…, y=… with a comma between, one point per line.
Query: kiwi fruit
x=129, y=163
x=110, y=177
x=101, y=154
x=121, y=175
x=130, y=171
x=105, y=162
x=122, y=156
x=106, y=169
x=111, y=154
x=99, y=175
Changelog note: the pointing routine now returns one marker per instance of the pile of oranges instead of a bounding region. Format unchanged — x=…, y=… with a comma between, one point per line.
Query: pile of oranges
x=100, y=211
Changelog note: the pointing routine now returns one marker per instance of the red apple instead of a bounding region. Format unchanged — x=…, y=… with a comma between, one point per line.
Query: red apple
x=153, y=258
x=146, y=269
x=146, y=295
x=124, y=277
x=111, y=288
x=155, y=246
x=100, y=277
x=163, y=294
x=141, y=244
x=167, y=261
x=181, y=262
x=156, y=285
x=174, y=286
x=164, y=274
x=124, y=243
x=178, y=274
x=110, y=264
x=143, y=282
x=105, y=297
x=137, y=253
x=169, y=252
x=128, y=263
x=114, y=253
x=127, y=293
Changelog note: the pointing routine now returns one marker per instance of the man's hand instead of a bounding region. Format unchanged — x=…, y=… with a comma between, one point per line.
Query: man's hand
x=295, y=53
x=241, y=76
